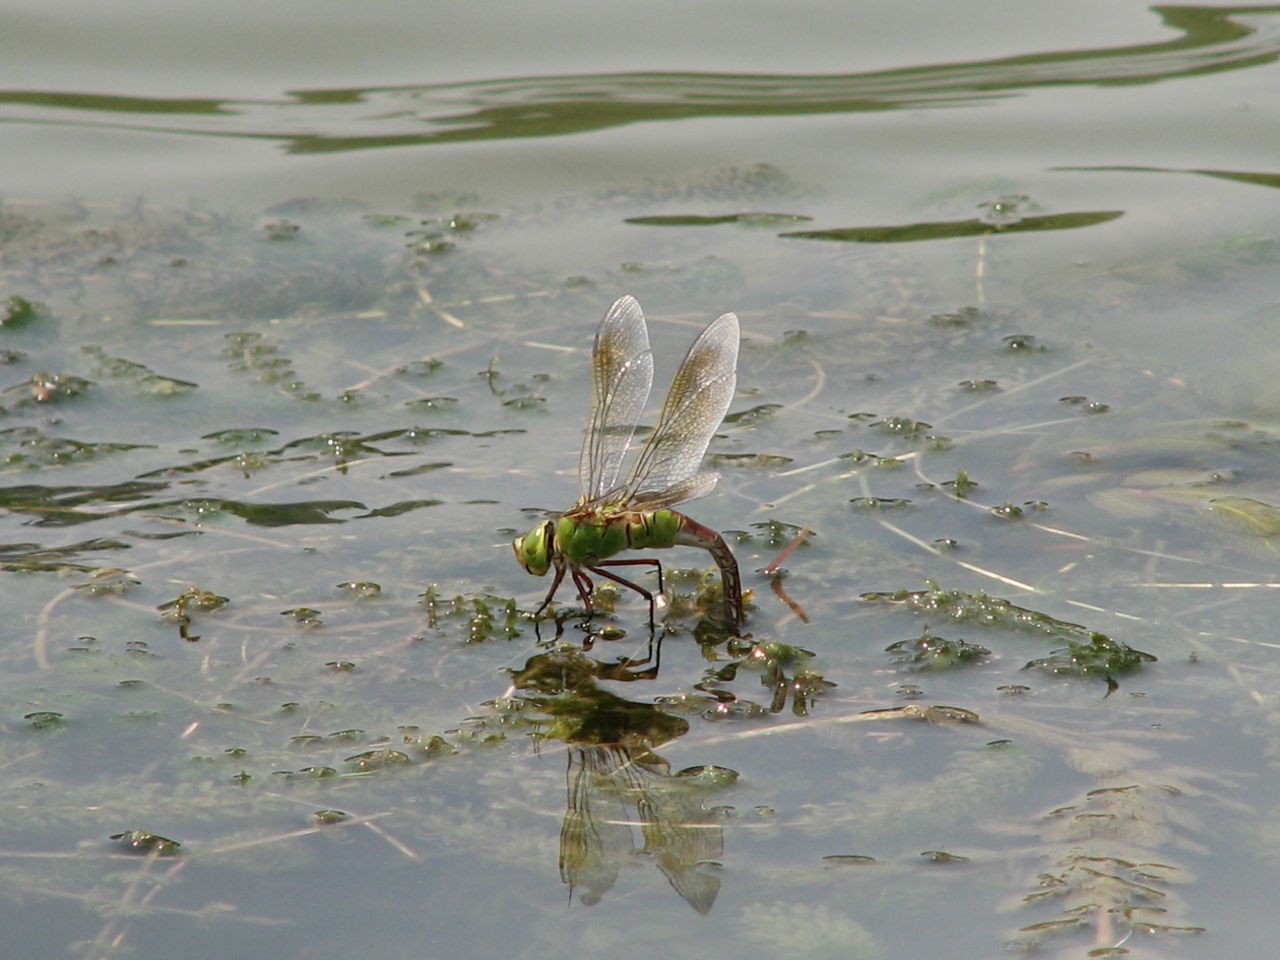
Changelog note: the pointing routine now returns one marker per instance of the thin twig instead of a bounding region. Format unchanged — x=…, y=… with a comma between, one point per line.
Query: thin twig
x=788, y=550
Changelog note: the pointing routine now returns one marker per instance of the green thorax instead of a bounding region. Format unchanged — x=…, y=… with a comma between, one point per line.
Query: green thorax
x=589, y=536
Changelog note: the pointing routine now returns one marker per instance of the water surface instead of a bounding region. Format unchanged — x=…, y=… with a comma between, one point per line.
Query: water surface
x=297, y=312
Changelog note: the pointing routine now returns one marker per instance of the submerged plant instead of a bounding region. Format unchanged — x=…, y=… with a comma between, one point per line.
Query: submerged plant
x=930, y=652
x=1099, y=657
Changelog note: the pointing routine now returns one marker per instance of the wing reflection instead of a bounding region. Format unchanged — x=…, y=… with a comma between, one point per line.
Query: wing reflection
x=623, y=803
x=615, y=792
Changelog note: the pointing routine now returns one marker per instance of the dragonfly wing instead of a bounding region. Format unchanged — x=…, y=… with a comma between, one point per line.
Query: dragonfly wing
x=621, y=376
x=694, y=408
x=682, y=491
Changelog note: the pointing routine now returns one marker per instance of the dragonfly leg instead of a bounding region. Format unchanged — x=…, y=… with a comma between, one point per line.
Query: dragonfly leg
x=585, y=586
x=627, y=583
x=647, y=561
x=555, y=585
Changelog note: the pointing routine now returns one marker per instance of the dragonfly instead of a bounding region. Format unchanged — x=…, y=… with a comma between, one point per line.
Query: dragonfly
x=612, y=515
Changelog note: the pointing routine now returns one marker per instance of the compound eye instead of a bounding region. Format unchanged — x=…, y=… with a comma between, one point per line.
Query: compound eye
x=533, y=549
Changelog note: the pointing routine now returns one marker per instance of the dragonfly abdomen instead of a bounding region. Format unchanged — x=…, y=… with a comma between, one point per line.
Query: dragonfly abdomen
x=655, y=530
x=693, y=534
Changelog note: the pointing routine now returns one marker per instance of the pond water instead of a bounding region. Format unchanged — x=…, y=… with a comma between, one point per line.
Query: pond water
x=296, y=311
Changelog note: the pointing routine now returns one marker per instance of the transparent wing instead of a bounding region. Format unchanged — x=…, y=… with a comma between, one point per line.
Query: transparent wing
x=682, y=491
x=622, y=374
x=694, y=408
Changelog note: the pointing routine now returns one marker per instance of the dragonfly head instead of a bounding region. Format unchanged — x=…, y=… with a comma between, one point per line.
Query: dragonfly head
x=533, y=550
